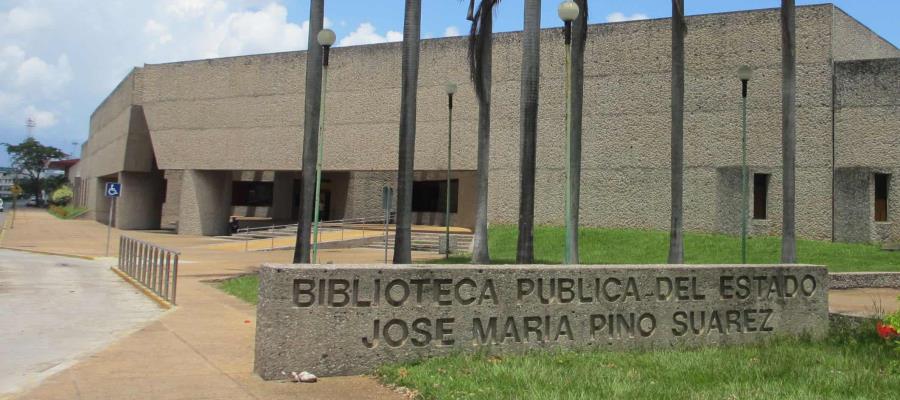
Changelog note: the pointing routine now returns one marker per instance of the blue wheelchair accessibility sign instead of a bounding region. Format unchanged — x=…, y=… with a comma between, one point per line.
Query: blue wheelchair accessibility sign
x=113, y=189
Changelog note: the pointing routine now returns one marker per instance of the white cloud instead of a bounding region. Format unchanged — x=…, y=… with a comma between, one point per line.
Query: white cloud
x=193, y=8
x=619, y=17
x=42, y=118
x=21, y=19
x=365, y=34
x=263, y=31
x=31, y=75
x=451, y=31
x=155, y=29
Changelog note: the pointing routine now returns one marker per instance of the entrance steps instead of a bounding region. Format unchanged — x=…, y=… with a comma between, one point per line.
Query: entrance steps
x=429, y=241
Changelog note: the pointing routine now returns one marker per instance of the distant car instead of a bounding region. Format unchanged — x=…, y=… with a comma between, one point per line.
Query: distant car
x=32, y=202
x=1, y=205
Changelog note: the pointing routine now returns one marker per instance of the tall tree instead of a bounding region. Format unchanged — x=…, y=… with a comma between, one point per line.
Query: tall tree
x=410, y=69
x=480, y=66
x=313, y=95
x=528, y=112
x=30, y=158
x=576, y=94
x=788, y=129
x=676, y=235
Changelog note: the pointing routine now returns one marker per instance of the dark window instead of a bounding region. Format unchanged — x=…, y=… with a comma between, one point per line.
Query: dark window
x=881, y=197
x=760, y=195
x=431, y=196
x=253, y=194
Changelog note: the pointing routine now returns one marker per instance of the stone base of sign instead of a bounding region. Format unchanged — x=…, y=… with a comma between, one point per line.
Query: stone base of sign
x=349, y=319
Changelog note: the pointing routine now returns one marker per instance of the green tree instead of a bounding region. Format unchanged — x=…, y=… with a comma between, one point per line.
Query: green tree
x=528, y=113
x=480, y=66
x=407, y=148
x=31, y=157
x=313, y=97
x=788, y=129
x=676, y=236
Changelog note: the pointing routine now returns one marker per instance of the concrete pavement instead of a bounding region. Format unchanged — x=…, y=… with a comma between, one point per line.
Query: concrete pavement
x=203, y=349
x=56, y=310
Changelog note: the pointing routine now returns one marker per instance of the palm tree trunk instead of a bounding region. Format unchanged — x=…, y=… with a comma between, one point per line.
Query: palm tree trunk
x=407, y=149
x=676, y=236
x=576, y=93
x=480, y=62
x=528, y=112
x=788, y=129
x=313, y=91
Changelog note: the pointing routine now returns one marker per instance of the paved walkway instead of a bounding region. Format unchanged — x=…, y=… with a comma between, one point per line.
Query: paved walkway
x=40, y=334
x=203, y=349
x=864, y=302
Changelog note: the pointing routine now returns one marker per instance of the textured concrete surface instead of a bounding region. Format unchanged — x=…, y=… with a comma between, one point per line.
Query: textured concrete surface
x=349, y=319
x=854, y=280
x=243, y=113
x=867, y=110
x=57, y=311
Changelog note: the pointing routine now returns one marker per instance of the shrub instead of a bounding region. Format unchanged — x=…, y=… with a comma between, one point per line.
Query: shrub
x=62, y=196
x=66, y=212
x=889, y=328
x=58, y=211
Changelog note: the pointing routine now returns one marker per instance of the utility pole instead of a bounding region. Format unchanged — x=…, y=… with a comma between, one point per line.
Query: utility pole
x=30, y=124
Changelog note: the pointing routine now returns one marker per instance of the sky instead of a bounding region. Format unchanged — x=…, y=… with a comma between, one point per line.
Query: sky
x=60, y=58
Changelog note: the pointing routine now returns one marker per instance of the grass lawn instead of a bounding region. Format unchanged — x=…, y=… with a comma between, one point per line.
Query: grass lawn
x=851, y=363
x=244, y=287
x=620, y=246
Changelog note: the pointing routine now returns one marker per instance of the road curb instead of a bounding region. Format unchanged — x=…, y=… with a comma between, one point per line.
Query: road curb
x=159, y=300
x=49, y=253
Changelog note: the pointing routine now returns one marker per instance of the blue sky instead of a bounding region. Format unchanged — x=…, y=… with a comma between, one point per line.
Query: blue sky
x=60, y=58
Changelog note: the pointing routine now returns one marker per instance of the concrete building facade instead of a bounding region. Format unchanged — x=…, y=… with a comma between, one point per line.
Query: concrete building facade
x=197, y=142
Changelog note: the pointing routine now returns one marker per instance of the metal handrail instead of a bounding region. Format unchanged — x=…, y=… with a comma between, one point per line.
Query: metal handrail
x=153, y=266
x=336, y=222
x=334, y=225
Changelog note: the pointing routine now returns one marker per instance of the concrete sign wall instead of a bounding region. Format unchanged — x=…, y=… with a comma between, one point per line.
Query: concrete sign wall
x=340, y=320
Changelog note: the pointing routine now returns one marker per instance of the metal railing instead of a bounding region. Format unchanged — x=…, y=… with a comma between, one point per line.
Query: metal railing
x=340, y=225
x=154, y=266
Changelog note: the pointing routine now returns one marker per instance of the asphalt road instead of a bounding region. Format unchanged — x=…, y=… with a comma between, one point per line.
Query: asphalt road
x=56, y=310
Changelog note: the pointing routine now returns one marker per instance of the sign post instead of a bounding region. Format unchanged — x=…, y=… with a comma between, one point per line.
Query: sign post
x=113, y=190
x=387, y=195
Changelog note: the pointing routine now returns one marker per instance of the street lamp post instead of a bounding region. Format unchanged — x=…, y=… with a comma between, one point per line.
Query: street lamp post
x=450, y=89
x=568, y=11
x=744, y=73
x=326, y=38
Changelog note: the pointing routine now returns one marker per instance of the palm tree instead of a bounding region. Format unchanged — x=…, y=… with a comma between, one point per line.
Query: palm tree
x=480, y=65
x=676, y=235
x=788, y=128
x=576, y=93
x=410, y=66
x=313, y=94
x=528, y=110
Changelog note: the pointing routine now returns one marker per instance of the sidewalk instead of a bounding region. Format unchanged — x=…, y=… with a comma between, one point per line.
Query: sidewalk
x=203, y=349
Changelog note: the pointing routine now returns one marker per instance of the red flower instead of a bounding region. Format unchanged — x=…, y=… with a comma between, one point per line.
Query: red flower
x=885, y=331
